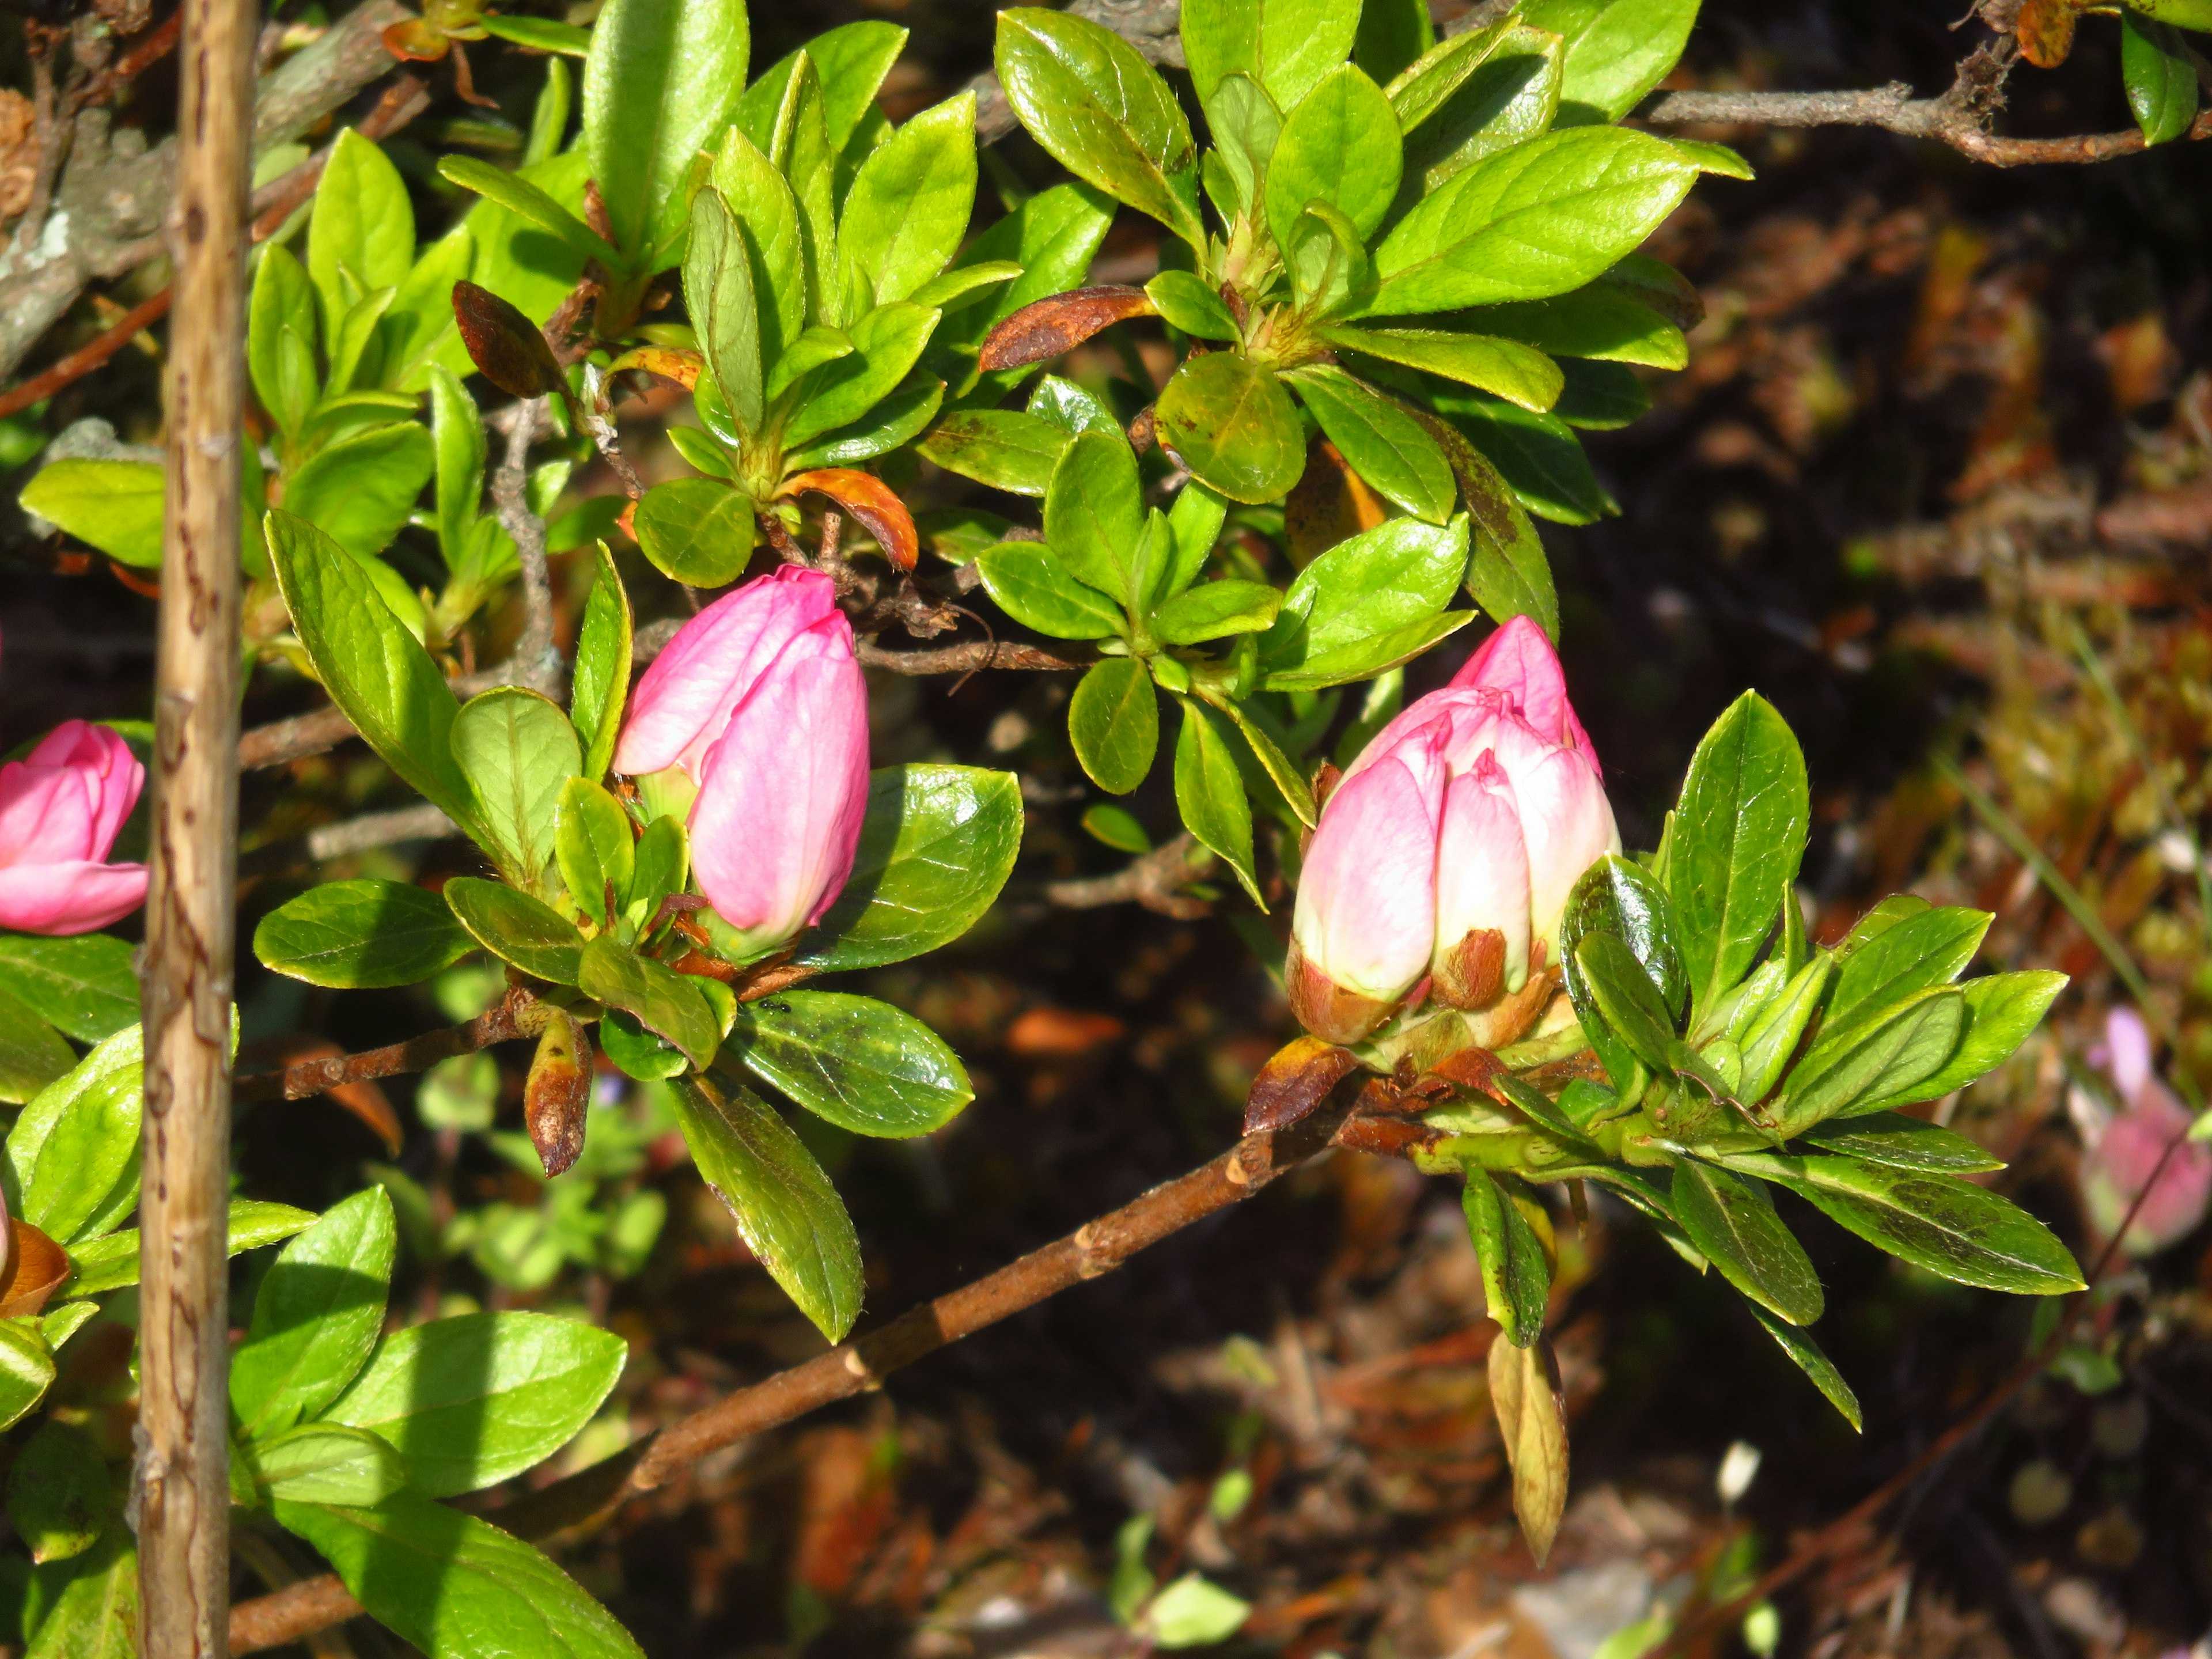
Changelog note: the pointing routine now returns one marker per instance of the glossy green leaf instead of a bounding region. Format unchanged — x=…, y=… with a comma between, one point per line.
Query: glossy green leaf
x=1616, y=49
x=766, y=219
x=111, y=1262
x=1217, y=610
x=83, y=986
x=897, y=420
x=1929, y=948
x=725, y=309
x=1597, y=321
x=281, y=333
x=1398, y=574
x=518, y=928
x=361, y=236
x=1875, y=1062
x=361, y=932
x=538, y=34
x=1195, y=525
x=936, y=844
x=360, y=489
x=1770, y=1040
x=1596, y=396
x=1286, y=46
x=661, y=83
x=1504, y=93
x=1949, y=1226
x=1617, y=898
x=1536, y=453
x=1210, y=788
x=457, y=436
x=1536, y=220
x=1516, y=1279
x=1622, y=995
x=595, y=848
x=325, y=1463
x=1381, y=441
x=1101, y=111
x=474, y=1398
x=1806, y=1355
x=27, y=1369
x=374, y=669
x=1508, y=574
x=1393, y=35
x=1732, y=1222
x=1094, y=512
x=1904, y=1143
x=664, y=1002
x=1188, y=304
x=32, y=1053
x=2001, y=1010
x=456, y=1587
x=316, y=1316
x=73, y=1153
x=909, y=204
x=528, y=203
x=1052, y=236
x=1516, y=373
x=858, y=1063
x=887, y=341
x=516, y=749
x=1365, y=659
x=2160, y=81
x=1003, y=448
x=786, y=1211
x=60, y=1495
x=1738, y=834
x=87, y=1607
x=1339, y=145
x=1031, y=585
x=113, y=506
x=599, y=687
x=1234, y=426
x=959, y=287
x=1113, y=721
x=1069, y=407
x=699, y=531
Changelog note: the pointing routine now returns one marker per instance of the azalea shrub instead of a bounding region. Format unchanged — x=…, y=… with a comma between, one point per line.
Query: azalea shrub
x=1400, y=274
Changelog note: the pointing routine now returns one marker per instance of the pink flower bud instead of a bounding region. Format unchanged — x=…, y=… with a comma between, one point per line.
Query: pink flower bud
x=59, y=813
x=1365, y=922
x=1482, y=890
x=756, y=717
x=1518, y=661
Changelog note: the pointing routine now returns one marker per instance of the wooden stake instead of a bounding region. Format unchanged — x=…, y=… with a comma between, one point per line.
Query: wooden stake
x=183, y=1477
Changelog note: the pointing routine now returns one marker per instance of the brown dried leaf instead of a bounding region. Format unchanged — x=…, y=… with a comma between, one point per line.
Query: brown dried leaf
x=365, y=1100
x=666, y=362
x=1060, y=324
x=871, y=501
x=1296, y=1080
x=506, y=345
x=413, y=40
x=1331, y=503
x=2044, y=29
x=1532, y=1420
x=558, y=1094
x=36, y=1267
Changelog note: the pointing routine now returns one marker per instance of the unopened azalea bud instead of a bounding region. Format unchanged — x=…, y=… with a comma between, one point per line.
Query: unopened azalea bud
x=555, y=1099
x=1482, y=891
x=60, y=808
x=754, y=724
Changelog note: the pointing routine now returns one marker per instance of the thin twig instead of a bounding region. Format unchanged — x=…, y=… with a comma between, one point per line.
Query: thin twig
x=1894, y=109
x=1154, y=880
x=422, y=821
x=518, y=1014
x=593, y=411
x=851, y=1368
x=537, y=661
x=967, y=659
x=281, y=742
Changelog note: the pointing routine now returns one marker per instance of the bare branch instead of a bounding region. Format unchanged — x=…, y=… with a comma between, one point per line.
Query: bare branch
x=967, y=659
x=1155, y=881
x=422, y=821
x=537, y=661
x=518, y=1014
x=851, y=1368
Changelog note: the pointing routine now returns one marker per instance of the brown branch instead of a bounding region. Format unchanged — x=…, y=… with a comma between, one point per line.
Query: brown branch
x=536, y=661
x=518, y=1014
x=851, y=1368
x=86, y=358
x=1155, y=881
x=422, y=821
x=967, y=659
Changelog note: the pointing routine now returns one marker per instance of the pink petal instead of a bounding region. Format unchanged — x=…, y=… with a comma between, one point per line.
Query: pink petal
x=2127, y=1043
x=1519, y=661
x=1366, y=905
x=1482, y=867
x=1565, y=820
x=73, y=897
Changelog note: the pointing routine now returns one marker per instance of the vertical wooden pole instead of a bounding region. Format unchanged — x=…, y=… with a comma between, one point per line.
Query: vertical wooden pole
x=184, y=1536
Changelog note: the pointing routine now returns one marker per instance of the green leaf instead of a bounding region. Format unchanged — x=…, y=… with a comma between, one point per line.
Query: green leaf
x=860, y=1064
x=1234, y=426
x=1536, y=453
x=1536, y=220
x=1503, y=91
x=1600, y=397
x=457, y=436
x=1949, y=1226
x=887, y=341
x=538, y=34
x=1738, y=834
x=1209, y=788
x=599, y=688
x=1929, y=948
x=593, y=846
x=87, y=1607
x=59, y=1496
x=910, y=203
x=1194, y=524
x=73, y=1153
x=1052, y=237
x=1102, y=112
x=530, y=204
x=1381, y=440
x=2160, y=81
x=661, y=999
x=1003, y=448
x=766, y=220
x=662, y=82
x=1291, y=784
x=353, y=934
x=1031, y=585
x=1808, y=1359
x=1286, y=46
x=786, y=1211
x=360, y=489
x=1094, y=512
x=1117, y=827
x=472, y=1399
x=1874, y=1063
x=718, y=290
x=32, y=1053
x=1195, y=1612
x=115, y=506
x=280, y=339
x=516, y=749
x=324, y=1463
x=1732, y=1222
x=1617, y=50
x=1507, y=573
x=374, y=669
x=1903, y=1143
x=1516, y=373
x=1215, y=610
x=1516, y=1279
x=112, y=1262
x=1188, y=304
x=2001, y=1010
x=518, y=928
x=316, y=1316
x=1597, y=321
x=1113, y=721
x=936, y=844
x=1393, y=35
x=1621, y=994
x=27, y=1369
x=1339, y=145
x=456, y=1587
x=699, y=531
x=1398, y=574
x=1770, y=1039
x=962, y=285
x=889, y=425
x=361, y=234
x=1365, y=659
